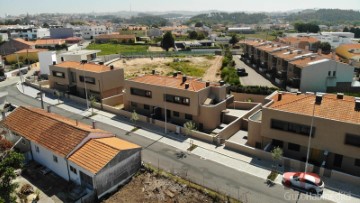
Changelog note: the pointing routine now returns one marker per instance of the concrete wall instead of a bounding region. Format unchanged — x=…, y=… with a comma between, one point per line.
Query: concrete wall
x=113, y=100
x=346, y=178
x=45, y=59
x=231, y=128
x=315, y=77
x=45, y=157
x=245, y=97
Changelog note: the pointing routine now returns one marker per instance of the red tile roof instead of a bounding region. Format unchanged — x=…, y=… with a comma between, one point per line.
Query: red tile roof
x=56, y=133
x=173, y=82
x=104, y=149
x=87, y=66
x=50, y=42
x=330, y=108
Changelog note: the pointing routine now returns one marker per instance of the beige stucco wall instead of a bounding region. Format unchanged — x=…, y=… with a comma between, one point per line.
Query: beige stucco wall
x=245, y=97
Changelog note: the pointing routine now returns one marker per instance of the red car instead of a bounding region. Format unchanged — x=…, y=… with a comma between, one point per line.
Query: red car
x=310, y=181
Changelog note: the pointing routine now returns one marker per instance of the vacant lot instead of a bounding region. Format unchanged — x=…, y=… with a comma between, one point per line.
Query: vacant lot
x=109, y=48
x=201, y=67
x=148, y=187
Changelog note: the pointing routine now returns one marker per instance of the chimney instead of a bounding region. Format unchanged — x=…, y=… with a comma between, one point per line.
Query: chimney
x=153, y=72
x=298, y=93
x=175, y=74
x=318, y=99
x=49, y=109
x=93, y=124
x=207, y=84
x=184, y=78
x=54, y=62
x=340, y=95
x=312, y=57
x=279, y=96
x=111, y=67
x=222, y=83
x=186, y=85
x=357, y=105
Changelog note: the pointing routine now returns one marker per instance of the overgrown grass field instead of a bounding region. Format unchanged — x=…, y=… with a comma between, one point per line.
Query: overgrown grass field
x=109, y=48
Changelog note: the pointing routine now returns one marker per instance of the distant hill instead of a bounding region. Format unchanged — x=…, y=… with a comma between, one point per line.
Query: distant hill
x=228, y=18
x=326, y=16
x=148, y=20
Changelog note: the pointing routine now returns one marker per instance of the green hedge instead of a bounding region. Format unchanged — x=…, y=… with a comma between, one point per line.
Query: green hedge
x=261, y=90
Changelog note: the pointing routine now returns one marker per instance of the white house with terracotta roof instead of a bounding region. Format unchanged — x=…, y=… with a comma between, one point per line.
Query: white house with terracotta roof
x=90, y=157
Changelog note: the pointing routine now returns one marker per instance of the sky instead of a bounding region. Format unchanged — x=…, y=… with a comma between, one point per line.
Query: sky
x=15, y=7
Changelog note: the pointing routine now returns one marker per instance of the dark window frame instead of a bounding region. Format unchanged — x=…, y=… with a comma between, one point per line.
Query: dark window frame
x=293, y=147
x=188, y=116
x=55, y=159
x=176, y=114
x=357, y=162
x=140, y=92
x=89, y=80
x=352, y=139
x=72, y=169
x=296, y=128
x=146, y=107
x=55, y=74
x=177, y=99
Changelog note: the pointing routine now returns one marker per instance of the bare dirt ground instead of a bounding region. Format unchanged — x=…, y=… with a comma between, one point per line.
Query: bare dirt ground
x=140, y=66
x=213, y=73
x=149, y=188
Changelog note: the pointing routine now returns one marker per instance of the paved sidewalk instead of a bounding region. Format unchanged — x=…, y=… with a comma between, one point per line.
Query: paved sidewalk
x=250, y=165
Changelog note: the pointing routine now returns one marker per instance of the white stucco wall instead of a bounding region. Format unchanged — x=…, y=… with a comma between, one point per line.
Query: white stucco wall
x=46, y=58
x=45, y=157
x=315, y=78
x=76, y=177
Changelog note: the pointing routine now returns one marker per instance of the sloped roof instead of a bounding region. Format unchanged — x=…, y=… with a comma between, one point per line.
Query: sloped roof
x=330, y=108
x=24, y=41
x=173, y=82
x=50, y=41
x=56, y=133
x=344, y=50
x=104, y=149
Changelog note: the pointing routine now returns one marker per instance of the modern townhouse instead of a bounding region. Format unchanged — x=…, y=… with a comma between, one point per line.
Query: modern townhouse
x=297, y=69
x=306, y=43
x=333, y=120
x=86, y=79
x=177, y=99
x=82, y=154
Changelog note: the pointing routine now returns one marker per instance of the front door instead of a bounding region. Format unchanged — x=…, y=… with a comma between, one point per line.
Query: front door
x=315, y=155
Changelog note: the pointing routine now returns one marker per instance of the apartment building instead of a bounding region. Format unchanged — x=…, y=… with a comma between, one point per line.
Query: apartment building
x=90, y=32
x=177, y=99
x=295, y=69
x=286, y=121
x=26, y=32
x=86, y=79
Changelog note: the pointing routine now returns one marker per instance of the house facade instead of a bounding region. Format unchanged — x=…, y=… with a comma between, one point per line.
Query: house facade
x=75, y=78
x=92, y=158
x=177, y=99
x=295, y=69
x=333, y=120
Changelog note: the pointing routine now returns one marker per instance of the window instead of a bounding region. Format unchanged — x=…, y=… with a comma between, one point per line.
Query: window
x=55, y=159
x=140, y=92
x=176, y=114
x=293, y=147
x=292, y=127
x=353, y=140
x=329, y=73
x=89, y=80
x=72, y=169
x=188, y=116
x=37, y=149
x=23, y=141
x=58, y=74
x=334, y=73
x=357, y=162
x=177, y=99
x=147, y=107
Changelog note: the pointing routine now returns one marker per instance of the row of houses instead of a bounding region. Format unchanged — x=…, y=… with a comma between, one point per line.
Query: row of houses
x=89, y=157
x=296, y=69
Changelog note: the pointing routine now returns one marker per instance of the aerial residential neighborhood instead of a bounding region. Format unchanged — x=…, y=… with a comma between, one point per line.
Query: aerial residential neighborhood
x=192, y=101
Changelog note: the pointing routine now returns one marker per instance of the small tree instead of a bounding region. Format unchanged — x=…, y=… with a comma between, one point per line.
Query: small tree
x=189, y=127
x=134, y=117
x=346, y=29
x=92, y=100
x=193, y=35
x=199, y=24
x=276, y=155
x=233, y=40
x=167, y=41
x=325, y=47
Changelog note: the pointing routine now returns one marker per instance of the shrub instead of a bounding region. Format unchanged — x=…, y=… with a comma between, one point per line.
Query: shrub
x=261, y=90
x=5, y=144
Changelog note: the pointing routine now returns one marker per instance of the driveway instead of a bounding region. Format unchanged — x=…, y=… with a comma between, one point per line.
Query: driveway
x=253, y=78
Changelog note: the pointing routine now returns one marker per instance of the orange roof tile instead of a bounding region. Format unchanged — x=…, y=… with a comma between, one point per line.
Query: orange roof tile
x=330, y=108
x=306, y=61
x=344, y=50
x=50, y=41
x=57, y=133
x=87, y=66
x=97, y=153
x=173, y=82
x=25, y=42
x=296, y=40
x=30, y=51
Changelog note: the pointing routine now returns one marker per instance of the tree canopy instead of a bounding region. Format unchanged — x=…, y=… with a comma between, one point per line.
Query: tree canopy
x=193, y=35
x=227, y=18
x=306, y=27
x=233, y=40
x=168, y=41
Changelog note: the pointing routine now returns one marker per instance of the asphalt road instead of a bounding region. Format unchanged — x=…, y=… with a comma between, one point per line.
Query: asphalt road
x=218, y=177
x=253, y=78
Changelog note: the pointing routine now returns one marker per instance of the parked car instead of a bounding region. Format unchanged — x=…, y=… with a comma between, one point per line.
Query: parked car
x=310, y=181
x=241, y=72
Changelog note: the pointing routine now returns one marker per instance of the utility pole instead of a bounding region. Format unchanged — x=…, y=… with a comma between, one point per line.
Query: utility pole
x=21, y=76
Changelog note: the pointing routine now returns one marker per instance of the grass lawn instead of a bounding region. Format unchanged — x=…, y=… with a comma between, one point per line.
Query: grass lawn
x=260, y=35
x=188, y=68
x=107, y=49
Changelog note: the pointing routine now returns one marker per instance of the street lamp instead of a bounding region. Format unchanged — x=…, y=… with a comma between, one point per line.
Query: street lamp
x=83, y=62
x=311, y=128
x=164, y=88
x=21, y=76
